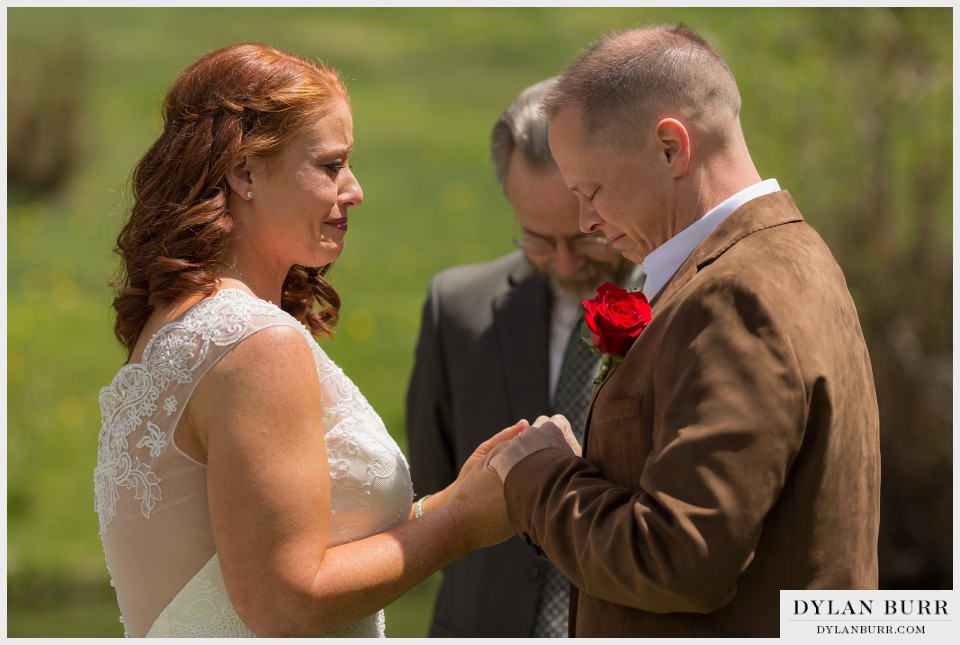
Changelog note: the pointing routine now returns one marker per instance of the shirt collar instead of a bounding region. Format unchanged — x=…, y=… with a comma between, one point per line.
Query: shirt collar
x=663, y=262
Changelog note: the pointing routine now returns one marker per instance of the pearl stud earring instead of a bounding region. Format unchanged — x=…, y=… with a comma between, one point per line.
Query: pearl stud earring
x=249, y=194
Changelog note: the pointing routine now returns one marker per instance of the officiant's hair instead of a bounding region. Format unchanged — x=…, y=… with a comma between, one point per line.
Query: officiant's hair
x=632, y=75
x=522, y=128
x=245, y=99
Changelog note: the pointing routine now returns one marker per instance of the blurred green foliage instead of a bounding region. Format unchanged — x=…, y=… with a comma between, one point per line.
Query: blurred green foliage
x=851, y=109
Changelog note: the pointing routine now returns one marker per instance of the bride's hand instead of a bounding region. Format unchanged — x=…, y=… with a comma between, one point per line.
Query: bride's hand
x=479, y=508
x=480, y=454
x=475, y=499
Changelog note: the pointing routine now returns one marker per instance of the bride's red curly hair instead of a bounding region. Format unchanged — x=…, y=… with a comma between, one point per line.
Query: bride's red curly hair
x=247, y=99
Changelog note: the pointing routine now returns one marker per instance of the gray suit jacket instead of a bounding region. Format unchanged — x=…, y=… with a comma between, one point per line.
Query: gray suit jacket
x=734, y=452
x=481, y=365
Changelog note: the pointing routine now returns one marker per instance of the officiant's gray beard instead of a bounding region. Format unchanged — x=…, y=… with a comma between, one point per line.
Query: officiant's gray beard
x=583, y=284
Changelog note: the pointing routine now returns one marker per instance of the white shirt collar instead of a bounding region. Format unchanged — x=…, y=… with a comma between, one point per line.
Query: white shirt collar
x=664, y=261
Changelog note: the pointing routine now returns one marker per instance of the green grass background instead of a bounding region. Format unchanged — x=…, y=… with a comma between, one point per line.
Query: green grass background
x=426, y=85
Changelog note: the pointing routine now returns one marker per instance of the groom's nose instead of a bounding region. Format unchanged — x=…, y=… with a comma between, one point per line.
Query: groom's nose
x=589, y=219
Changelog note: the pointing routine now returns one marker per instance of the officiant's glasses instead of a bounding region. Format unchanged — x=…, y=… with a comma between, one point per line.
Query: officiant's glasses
x=538, y=246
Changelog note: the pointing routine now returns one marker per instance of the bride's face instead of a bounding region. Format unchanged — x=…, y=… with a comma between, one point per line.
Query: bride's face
x=303, y=193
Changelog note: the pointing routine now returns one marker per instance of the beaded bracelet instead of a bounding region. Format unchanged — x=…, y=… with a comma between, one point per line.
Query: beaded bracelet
x=418, y=511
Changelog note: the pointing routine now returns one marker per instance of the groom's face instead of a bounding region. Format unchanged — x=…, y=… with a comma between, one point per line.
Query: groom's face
x=550, y=236
x=622, y=194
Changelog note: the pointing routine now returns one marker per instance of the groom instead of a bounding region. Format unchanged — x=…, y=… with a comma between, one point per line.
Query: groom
x=733, y=452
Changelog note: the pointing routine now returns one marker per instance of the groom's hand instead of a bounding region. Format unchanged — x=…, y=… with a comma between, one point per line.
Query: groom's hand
x=546, y=432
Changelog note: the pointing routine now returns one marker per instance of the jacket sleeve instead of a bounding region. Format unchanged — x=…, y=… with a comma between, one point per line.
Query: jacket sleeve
x=428, y=417
x=727, y=419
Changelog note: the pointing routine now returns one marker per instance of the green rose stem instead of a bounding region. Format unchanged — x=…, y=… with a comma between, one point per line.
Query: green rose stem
x=605, y=363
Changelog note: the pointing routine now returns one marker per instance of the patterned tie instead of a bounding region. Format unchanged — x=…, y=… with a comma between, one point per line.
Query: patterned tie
x=575, y=384
x=571, y=399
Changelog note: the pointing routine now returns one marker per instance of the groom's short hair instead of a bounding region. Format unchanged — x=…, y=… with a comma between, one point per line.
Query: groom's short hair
x=521, y=127
x=630, y=76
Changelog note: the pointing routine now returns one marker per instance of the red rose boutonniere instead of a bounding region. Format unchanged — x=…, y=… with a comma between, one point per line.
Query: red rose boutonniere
x=614, y=319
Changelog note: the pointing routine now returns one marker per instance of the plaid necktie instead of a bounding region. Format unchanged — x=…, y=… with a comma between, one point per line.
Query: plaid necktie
x=571, y=399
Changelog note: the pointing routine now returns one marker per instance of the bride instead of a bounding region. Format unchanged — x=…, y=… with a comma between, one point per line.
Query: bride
x=244, y=485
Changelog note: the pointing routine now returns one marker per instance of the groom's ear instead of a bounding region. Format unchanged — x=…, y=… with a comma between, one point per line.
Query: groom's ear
x=673, y=146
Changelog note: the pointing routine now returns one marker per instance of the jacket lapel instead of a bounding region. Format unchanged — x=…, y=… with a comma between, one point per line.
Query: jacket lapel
x=522, y=323
x=758, y=214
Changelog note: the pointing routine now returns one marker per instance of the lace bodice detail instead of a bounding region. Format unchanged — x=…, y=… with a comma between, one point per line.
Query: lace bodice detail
x=151, y=497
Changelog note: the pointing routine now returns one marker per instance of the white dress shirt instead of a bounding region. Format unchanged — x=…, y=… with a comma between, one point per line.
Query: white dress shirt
x=664, y=261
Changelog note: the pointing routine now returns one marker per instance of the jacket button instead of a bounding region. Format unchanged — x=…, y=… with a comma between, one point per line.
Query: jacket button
x=533, y=573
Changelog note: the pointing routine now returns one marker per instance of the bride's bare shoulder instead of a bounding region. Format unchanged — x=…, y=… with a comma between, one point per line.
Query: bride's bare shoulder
x=276, y=351
x=268, y=379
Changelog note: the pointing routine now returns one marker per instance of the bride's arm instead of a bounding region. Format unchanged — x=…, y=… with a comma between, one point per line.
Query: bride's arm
x=258, y=414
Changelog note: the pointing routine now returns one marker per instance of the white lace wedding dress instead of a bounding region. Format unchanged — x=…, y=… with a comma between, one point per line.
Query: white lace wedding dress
x=152, y=498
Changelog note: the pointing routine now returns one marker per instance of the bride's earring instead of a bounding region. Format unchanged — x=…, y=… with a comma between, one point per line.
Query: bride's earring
x=249, y=194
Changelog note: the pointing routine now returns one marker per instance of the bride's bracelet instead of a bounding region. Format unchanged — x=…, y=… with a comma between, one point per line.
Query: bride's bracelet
x=418, y=510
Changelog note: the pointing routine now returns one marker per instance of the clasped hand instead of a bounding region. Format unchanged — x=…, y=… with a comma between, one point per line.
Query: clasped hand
x=477, y=494
x=546, y=432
